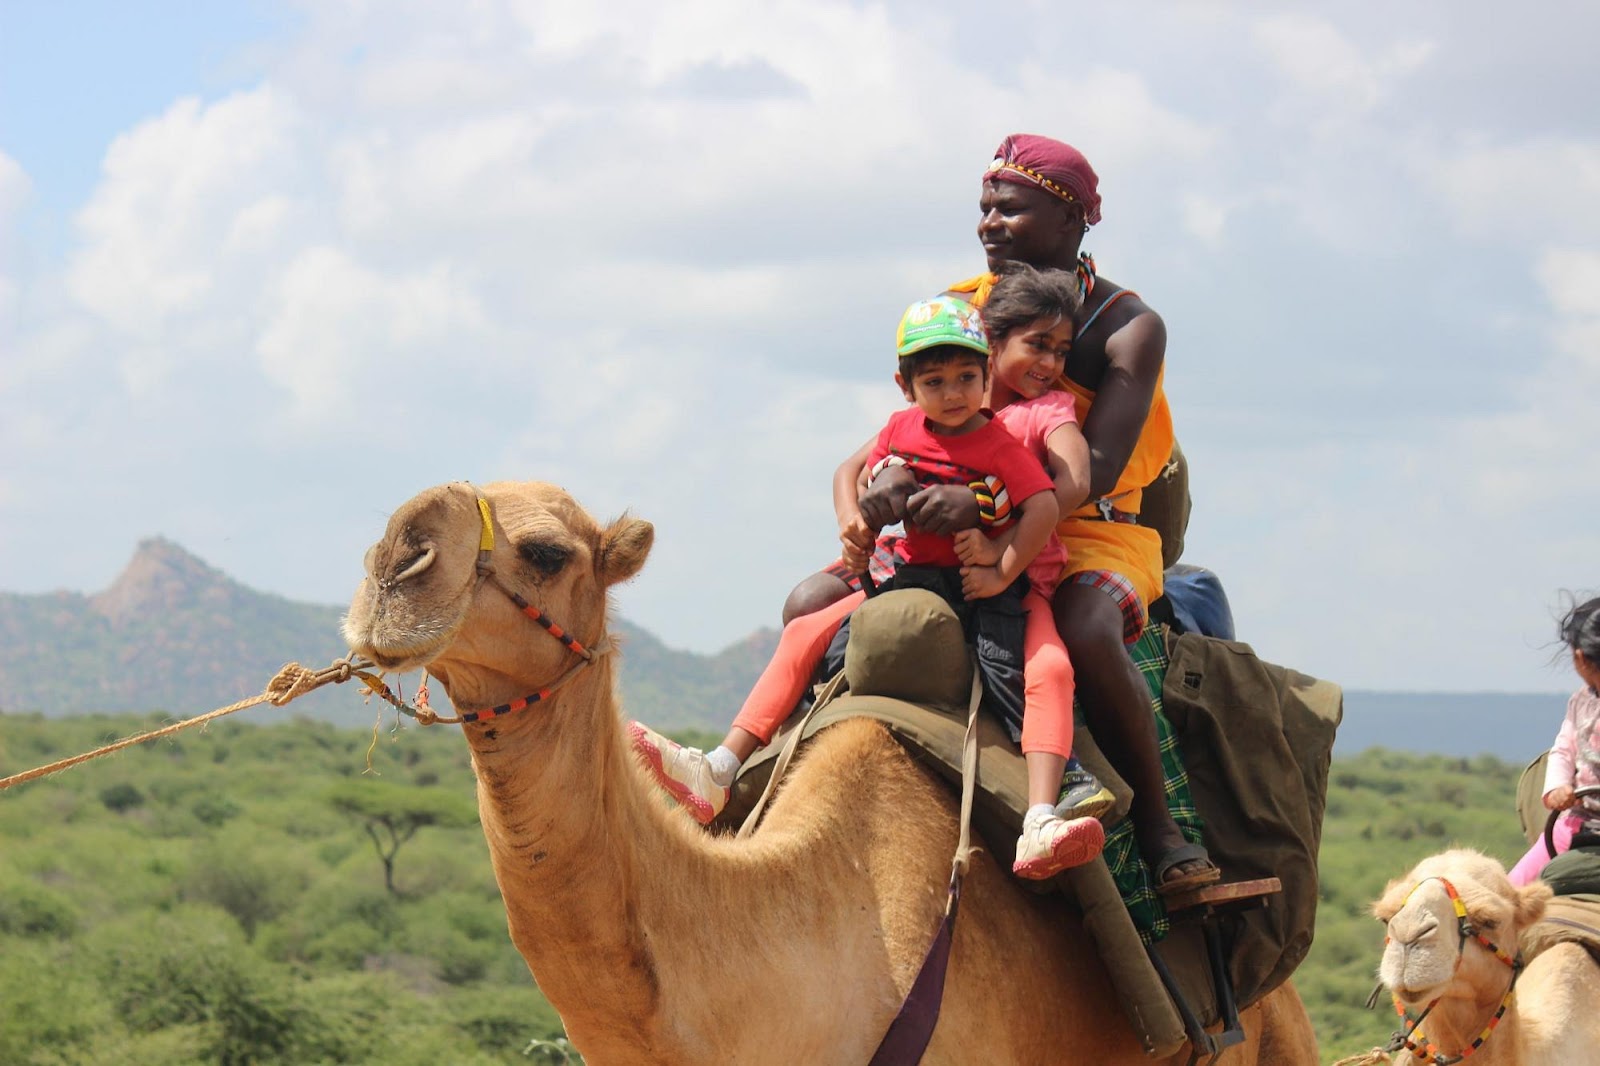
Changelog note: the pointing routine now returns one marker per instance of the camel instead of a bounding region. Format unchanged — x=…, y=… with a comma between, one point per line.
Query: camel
x=1550, y=1017
x=661, y=943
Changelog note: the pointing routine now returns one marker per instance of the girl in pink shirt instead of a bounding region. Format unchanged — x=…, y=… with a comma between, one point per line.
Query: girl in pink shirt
x=1033, y=316
x=1575, y=757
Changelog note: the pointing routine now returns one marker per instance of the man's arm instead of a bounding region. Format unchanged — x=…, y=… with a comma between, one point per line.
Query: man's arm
x=846, y=507
x=1134, y=355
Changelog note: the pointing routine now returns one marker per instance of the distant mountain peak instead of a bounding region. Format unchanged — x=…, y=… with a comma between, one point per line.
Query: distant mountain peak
x=161, y=576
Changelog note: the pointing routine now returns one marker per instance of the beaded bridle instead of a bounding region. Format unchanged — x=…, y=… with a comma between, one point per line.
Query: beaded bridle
x=1411, y=1037
x=484, y=571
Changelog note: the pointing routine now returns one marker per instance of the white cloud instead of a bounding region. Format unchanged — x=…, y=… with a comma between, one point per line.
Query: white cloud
x=1316, y=57
x=14, y=189
x=171, y=189
x=337, y=326
x=655, y=252
x=1203, y=216
x=1545, y=184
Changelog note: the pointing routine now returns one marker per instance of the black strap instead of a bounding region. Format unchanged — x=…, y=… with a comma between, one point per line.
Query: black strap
x=1104, y=512
x=912, y=1028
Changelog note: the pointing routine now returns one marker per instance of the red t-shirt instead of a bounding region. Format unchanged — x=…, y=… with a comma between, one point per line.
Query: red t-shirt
x=988, y=452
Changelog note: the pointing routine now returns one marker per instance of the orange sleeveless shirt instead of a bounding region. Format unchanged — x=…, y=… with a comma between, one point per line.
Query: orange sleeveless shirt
x=1092, y=543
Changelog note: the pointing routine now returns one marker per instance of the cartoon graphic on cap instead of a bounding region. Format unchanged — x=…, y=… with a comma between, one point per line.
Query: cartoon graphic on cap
x=942, y=320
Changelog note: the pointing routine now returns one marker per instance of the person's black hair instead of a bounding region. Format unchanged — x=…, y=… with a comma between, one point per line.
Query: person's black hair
x=1580, y=629
x=1025, y=294
x=913, y=364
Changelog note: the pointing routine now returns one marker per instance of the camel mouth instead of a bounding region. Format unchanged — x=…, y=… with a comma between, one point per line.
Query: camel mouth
x=397, y=662
x=1417, y=996
x=398, y=649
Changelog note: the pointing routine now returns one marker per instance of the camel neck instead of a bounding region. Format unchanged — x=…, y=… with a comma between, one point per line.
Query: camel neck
x=638, y=925
x=578, y=842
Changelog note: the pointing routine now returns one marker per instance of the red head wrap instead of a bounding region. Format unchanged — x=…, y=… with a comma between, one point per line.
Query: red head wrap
x=1057, y=168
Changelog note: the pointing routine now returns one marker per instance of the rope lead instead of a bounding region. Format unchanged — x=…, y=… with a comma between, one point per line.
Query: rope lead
x=289, y=683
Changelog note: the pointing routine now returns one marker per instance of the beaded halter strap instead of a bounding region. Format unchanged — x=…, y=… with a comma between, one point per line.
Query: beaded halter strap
x=1411, y=1037
x=426, y=715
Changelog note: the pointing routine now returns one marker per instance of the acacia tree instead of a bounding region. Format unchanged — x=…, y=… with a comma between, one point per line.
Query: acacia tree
x=392, y=814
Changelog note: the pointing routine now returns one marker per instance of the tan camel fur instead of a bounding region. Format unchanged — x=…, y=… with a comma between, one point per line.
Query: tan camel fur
x=1553, y=1016
x=661, y=943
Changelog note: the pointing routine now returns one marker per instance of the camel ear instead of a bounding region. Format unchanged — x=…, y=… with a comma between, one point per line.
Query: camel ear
x=623, y=548
x=1531, y=900
x=1394, y=895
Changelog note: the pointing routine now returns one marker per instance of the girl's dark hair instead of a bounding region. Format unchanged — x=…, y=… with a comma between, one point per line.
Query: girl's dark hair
x=1024, y=294
x=1580, y=629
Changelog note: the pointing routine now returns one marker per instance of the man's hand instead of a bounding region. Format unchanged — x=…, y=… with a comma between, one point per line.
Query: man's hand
x=857, y=539
x=943, y=510
x=1560, y=798
x=884, y=502
x=981, y=582
x=975, y=549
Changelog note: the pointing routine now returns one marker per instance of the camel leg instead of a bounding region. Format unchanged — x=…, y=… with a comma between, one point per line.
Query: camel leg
x=1285, y=1036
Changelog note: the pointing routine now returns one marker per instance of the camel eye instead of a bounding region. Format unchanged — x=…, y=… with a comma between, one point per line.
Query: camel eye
x=544, y=556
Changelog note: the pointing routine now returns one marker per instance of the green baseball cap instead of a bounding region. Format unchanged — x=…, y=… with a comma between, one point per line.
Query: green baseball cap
x=940, y=321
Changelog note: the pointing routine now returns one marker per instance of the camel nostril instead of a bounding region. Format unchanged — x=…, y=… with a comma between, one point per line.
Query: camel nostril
x=1407, y=932
x=414, y=566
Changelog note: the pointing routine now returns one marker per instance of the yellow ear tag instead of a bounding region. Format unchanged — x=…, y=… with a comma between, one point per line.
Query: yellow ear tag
x=486, y=538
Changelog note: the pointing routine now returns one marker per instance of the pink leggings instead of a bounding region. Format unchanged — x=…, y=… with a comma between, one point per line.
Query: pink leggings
x=1047, y=675
x=1526, y=871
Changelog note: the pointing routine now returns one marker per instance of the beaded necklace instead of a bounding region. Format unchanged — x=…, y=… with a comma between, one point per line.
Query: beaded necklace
x=1085, y=274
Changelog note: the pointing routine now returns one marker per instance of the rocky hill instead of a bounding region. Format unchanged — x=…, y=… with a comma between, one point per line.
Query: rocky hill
x=175, y=635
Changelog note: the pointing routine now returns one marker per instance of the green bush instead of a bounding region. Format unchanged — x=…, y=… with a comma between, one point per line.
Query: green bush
x=46, y=1003
x=193, y=965
x=214, y=810
x=28, y=908
x=122, y=797
x=506, y=1020
x=252, y=882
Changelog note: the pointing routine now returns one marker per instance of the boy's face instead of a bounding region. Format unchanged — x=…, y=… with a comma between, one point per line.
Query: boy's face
x=949, y=392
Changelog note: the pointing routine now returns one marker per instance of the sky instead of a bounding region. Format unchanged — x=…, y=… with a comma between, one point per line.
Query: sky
x=269, y=269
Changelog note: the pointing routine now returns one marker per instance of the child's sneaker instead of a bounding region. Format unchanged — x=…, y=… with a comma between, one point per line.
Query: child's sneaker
x=1082, y=794
x=683, y=772
x=1050, y=844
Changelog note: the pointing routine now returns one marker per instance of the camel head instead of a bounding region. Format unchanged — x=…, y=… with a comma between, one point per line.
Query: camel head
x=1425, y=957
x=425, y=602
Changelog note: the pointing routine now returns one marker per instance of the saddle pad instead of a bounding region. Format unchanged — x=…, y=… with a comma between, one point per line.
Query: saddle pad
x=934, y=738
x=1567, y=920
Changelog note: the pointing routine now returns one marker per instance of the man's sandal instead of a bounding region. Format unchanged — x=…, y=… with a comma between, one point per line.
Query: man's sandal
x=1177, y=857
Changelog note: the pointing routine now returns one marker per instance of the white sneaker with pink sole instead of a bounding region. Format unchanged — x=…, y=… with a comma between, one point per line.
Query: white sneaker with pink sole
x=1050, y=844
x=683, y=772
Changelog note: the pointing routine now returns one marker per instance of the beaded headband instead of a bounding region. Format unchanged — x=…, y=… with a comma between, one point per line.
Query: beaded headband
x=1033, y=175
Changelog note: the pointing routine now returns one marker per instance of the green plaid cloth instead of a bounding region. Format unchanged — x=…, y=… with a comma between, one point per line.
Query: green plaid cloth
x=1134, y=879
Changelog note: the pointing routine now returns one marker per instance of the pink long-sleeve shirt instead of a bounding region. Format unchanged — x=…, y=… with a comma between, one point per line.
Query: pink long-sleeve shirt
x=1575, y=756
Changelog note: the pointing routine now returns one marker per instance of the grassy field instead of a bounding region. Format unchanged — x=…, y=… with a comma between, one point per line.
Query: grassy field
x=219, y=897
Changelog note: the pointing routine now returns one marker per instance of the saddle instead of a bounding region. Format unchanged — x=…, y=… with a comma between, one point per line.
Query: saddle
x=1568, y=919
x=907, y=667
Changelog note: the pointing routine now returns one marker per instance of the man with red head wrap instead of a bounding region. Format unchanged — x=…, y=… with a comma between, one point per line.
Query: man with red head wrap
x=1038, y=198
